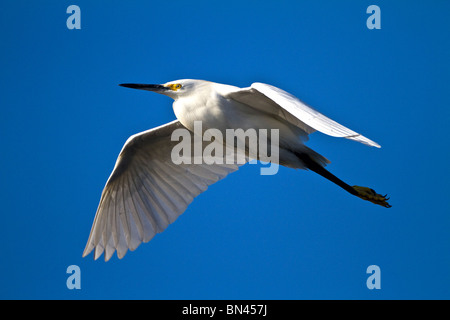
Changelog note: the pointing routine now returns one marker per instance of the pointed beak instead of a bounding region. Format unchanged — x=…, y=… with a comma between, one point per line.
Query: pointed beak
x=149, y=87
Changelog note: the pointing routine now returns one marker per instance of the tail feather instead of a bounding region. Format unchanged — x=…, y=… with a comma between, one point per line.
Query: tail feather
x=313, y=155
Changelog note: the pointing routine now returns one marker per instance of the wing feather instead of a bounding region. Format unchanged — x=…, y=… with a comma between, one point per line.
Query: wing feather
x=310, y=116
x=146, y=192
x=280, y=103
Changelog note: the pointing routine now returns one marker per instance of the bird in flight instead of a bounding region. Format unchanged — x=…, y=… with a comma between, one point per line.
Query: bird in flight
x=147, y=191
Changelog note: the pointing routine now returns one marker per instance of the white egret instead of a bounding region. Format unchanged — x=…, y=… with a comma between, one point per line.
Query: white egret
x=146, y=191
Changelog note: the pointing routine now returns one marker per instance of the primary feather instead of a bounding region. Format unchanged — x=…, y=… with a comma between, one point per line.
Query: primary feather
x=146, y=192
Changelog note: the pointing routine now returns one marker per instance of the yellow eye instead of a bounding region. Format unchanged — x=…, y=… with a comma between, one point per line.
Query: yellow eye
x=174, y=86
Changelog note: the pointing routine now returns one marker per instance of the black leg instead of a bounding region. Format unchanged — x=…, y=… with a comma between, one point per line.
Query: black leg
x=361, y=192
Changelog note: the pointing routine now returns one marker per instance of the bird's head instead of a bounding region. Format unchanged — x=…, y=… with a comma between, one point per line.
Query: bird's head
x=174, y=89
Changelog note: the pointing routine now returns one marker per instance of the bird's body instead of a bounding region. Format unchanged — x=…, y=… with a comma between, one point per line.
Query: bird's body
x=215, y=111
x=213, y=106
x=147, y=190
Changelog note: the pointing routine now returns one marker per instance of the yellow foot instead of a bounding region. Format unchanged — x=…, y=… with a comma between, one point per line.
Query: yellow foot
x=370, y=195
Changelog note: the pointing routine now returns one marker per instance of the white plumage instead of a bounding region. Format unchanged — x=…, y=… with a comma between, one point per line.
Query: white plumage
x=146, y=191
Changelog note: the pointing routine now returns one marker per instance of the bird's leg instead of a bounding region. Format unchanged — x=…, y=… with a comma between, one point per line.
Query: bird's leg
x=370, y=195
x=361, y=192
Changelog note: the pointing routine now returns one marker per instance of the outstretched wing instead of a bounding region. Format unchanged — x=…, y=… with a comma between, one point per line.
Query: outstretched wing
x=146, y=192
x=278, y=102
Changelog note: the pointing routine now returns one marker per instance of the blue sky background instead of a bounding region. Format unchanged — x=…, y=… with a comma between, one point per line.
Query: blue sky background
x=294, y=235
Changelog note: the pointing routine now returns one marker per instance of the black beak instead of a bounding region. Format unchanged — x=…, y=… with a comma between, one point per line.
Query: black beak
x=148, y=87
